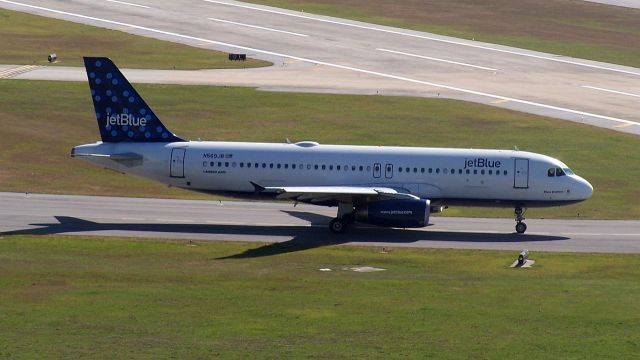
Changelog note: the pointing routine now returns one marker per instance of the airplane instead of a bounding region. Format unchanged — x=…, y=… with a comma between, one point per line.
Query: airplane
x=377, y=185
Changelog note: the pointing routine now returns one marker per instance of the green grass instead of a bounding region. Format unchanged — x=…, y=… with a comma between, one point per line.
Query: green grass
x=573, y=28
x=41, y=121
x=28, y=39
x=91, y=297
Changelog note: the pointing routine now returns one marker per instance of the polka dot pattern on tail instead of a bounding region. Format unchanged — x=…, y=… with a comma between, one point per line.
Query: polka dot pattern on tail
x=121, y=113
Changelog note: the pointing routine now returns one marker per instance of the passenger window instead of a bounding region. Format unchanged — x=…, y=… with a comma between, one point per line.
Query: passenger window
x=219, y=164
x=315, y=167
x=490, y=172
x=330, y=167
x=407, y=169
x=445, y=170
x=212, y=164
x=241, y=164
x=324, y=167
x=453, y=171
x=278, y=166
x=293, y=166
x=468, y=171
x=368, y=168
x=482, y=172
x=271, y=165
x=475, y=171
x=248, y=165
x=438, y=171
x=505, y=172
x=338, y=167
x=361, y=168
x=415, y=170
x=422, y=170
x=459, y=171
x=430, y=170
x=399, y=169
x=551, y=172
x=226, y=164
x=256, y=165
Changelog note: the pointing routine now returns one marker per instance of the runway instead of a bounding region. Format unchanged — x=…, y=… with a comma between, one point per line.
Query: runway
x=325, y=54
x=300, y=227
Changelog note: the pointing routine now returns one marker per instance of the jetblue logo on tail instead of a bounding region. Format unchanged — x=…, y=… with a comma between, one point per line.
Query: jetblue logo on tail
x=126, y=119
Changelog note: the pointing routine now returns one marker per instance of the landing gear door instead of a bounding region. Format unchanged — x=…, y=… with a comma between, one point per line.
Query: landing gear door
x=521, y=174
x=177, y=162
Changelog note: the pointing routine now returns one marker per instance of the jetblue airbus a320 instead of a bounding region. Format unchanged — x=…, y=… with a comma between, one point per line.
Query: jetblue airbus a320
x=378, y=185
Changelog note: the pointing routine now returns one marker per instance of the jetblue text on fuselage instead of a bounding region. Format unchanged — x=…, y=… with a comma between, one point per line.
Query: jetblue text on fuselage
x=126, y=119
x=481, y=163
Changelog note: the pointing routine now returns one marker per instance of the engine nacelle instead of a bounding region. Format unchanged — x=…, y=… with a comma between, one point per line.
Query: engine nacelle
x=395, y=213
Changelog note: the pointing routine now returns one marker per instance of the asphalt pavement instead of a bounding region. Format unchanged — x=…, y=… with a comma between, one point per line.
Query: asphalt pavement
x=288, y=227
x=326, y=54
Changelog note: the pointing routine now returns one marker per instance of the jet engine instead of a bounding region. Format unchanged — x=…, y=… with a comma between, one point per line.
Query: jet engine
x=395, y=213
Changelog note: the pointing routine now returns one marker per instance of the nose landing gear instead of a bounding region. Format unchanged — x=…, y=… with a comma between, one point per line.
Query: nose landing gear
x=521, y=227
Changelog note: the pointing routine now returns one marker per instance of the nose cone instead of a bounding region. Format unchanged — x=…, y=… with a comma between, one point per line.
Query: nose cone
x=583, y=189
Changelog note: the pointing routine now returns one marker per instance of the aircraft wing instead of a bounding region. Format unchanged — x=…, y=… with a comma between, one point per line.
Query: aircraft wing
x=336, y=193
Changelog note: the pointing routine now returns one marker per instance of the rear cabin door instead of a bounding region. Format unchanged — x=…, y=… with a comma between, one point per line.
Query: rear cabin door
x=521, y=174
x=177, y=162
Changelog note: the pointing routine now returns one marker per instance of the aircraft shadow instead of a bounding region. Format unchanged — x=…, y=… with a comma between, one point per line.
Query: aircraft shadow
x=302, y=237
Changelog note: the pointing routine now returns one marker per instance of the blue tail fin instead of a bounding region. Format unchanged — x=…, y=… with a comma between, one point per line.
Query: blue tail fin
x=122, y=114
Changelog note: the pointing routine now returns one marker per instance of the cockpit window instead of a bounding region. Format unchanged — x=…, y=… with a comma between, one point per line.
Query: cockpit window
x=567, y=171
x=551, y=172
x=559, y=172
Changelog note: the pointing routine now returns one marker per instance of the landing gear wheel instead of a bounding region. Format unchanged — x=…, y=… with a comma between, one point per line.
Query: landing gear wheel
x=521, y=227
x=338, y=225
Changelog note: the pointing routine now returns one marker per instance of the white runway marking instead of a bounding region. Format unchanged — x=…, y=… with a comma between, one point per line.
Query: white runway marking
x=566, y=61
x=611, y=91
x=126, y=3
x=437, y=59
x=257, y=27
x=344, y=67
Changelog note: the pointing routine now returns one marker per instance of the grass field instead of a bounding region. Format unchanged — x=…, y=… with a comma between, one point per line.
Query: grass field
x=76, y=297
x=574, y=28
x=40, y=121
x=28, y=39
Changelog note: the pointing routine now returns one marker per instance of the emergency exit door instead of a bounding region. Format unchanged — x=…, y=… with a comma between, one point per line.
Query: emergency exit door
x=177, y=162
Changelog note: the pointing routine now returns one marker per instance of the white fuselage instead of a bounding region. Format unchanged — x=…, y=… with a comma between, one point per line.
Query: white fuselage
x=445, y=176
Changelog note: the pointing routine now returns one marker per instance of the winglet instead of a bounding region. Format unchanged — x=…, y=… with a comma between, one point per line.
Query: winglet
x=257, y=188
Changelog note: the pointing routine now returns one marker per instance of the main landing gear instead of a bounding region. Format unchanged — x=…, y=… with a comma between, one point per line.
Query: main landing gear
x=345, y=217
x=521, y=227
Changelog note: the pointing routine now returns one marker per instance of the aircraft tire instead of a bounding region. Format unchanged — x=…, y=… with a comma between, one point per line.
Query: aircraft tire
x=338, y=226
x=521, y=227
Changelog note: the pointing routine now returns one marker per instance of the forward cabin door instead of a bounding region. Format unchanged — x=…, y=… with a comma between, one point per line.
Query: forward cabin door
x=177, y=162
x=521, y=174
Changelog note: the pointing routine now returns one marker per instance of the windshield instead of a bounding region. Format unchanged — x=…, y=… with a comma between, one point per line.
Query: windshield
x=567, y=171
